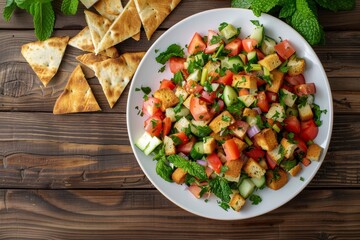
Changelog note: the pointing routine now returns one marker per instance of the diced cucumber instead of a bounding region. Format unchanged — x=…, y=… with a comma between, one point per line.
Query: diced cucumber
x=197, y=151
x=230, y=62
x=252, y=57
x=287, y=97
x=229, y=31
x=143, y=141
x=266, y=71
x=182, y=124
x=259, y=182
x=170, y=113
x=258, y=35
x=230, y=95
x=152, y=145
x=267, y=46
x=200, y=128
x=247, y=99
x=195, y=76
x=204, y=74
x=246, y=188
x=252, y=121
x=201, y=58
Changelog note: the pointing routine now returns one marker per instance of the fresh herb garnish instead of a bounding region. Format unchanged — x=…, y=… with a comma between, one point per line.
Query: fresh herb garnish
x=317, y=114
x=190, y=167
x=255, y=199
x=220, y=187
x=173, y=50
x=178, y=77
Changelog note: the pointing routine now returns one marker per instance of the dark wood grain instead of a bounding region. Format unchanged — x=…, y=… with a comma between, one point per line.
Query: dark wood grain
x=144, y=214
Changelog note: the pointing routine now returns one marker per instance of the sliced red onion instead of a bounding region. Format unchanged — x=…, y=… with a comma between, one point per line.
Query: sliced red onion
x=258, y=110
x=252, y=131
x=183, y=155
x=202, y=162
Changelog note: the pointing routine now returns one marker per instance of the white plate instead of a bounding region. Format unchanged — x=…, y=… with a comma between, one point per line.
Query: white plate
x=148, y=75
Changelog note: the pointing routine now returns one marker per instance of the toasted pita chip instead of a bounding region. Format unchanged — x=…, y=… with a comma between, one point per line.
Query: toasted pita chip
x=77, y=95
x=126, y=25
x=88, y=3
x=90, y=58
x=83, y=41
x=109, y=8
x=115, y=74
x=136, y=37
x=98, y=26
x=45, y=57
x=153, y=13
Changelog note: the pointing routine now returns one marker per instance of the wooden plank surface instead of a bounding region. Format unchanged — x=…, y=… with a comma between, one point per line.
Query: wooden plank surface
x=146, y=214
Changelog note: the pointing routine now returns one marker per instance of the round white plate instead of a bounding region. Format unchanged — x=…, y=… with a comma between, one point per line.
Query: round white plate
x=148, y=75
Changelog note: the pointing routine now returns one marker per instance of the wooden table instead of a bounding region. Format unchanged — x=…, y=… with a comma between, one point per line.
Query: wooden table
x=75, y=176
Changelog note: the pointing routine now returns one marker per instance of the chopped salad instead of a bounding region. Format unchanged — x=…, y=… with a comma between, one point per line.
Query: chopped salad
x=237, y=116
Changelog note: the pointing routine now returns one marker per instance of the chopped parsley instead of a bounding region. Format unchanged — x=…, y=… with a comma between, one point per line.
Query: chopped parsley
x=226, y=118
x=302, y=179
x=178, y=107
x=255, y=199
x=178, y=77
x=162, y=69
x=317, y=114
x=173, y=50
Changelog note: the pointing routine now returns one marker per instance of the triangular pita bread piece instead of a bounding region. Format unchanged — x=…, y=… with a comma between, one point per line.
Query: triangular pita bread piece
x=77, y=95
x=83, y=41
x=136, y=37
x=109, y=8
x=126, y=25
x=153, y=13
x=90, y=58
x=45, y=57
x=88, y=3
x=115, y=74
x=98, y=26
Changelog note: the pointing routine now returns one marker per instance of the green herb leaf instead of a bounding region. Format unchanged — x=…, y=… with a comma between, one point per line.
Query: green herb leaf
x=9, y=9
x=335, y=6
x=190, y=167
x=288, y=9
x=241, y=3
x=69, y=7
x=173, y=50
x=202, y=131
x=260, y=6
x=164, y=170
x=220, y=187
x=255, y=199
x=317, y=114
x=44, y=19
x=178, y=77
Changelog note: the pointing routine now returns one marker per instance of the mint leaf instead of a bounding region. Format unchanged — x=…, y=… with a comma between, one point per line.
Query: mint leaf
x=69, y=7
x=241, y=3
x=164, y=170
x=305, y=22
x=335, y=6
x=173, y=50
x=263, y=6
x=190, y=167
x=220, y=187
x=44, y=19
x=288, y=9
x=9, y=9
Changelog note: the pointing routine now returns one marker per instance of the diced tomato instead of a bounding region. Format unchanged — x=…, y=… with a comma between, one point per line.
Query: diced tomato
x=305, y=89
x=292, y=124
x=192, y=86
x=231, y=150
x=249, y=44
x=185, y=73
x=270, y=162
x=255, y=153
x=151, y=107
x=305, y=161
x=260, y=55
x=181, y=136
x=186, y=147
x=217, y=107
x=214, y=162
x=284, y=49
x=153, y=125
x=260, y=82
x=309, y=130
x=227, y=78
x=176, y=64
x=213, y=42
x=272, y=97
x=197, y=44
x=240, y=126
x=195, y=190
x=295, y=80
x=262, y=102
x=167, y=84
x=213, y=76
x=166, y=126
x=208, y=171
x=208, y=97
x=199, y=109
x=234, y=47
x=301, y=144
x=244, y=92
x=288, y=87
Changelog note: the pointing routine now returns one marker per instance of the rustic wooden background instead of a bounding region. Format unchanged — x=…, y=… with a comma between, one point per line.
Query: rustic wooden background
x=75, y=177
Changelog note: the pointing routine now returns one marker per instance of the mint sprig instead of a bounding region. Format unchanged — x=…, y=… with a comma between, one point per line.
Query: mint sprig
x=42, y=12
x=300, y=14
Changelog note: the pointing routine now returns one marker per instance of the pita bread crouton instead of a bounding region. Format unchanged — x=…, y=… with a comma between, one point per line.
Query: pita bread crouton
x=45, y=57
x=77, y=95
x=126, y=25
x=83, y=41
x=88, y=3
x=109, y=8
x=115, y=74
x=153, y=13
